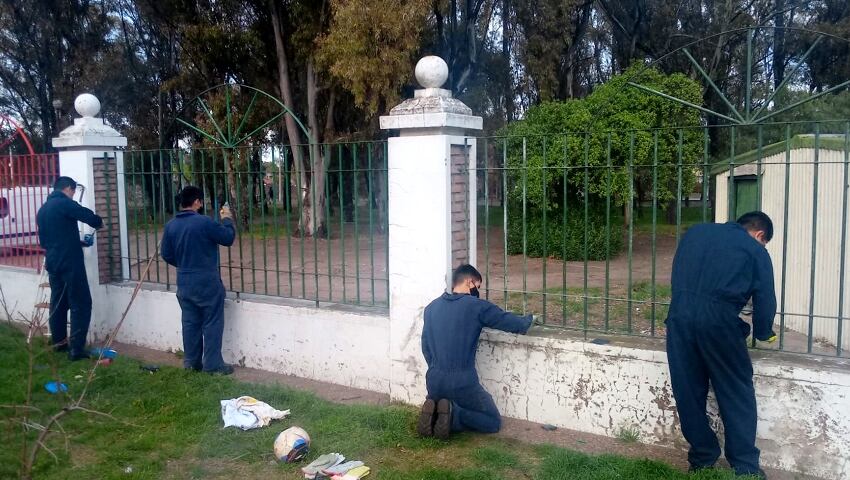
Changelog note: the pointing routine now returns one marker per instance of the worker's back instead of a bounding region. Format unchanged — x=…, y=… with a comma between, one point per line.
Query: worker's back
x=453, y=323
x=190, y=242
x=716, y=269
x=58, y=233
x=451, y=331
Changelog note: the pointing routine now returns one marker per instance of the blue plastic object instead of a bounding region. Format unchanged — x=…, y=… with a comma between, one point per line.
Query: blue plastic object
x=107, y=353
x=55, y=387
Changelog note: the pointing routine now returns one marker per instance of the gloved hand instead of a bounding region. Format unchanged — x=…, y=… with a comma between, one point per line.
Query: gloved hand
x=226, y=213
x=88, y=240
x=770, y=338
x=537, y=320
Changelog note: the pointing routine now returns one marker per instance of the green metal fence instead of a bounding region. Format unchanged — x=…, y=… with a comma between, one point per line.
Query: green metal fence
x=315, y=232
x=582, y=228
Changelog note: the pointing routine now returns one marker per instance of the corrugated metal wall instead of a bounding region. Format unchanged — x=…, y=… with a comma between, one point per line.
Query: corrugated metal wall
x=802, y=219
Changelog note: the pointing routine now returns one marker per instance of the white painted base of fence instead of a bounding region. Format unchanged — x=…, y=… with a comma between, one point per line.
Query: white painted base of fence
x=804, y=403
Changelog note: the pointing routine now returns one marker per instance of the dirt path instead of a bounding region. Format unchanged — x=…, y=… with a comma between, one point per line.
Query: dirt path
x=340, y=268
x=515, y=429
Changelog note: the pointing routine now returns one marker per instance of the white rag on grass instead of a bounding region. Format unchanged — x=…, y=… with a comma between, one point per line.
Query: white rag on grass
x=248, y=412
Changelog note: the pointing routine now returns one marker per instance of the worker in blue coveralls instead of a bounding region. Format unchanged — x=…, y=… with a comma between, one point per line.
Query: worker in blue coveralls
x=453, y=322
x=717, y=269
x=190, y=242
x=59, y=235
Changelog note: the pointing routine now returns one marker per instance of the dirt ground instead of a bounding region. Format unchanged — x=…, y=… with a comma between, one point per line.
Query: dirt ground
x=521, y=430
x=290, y=266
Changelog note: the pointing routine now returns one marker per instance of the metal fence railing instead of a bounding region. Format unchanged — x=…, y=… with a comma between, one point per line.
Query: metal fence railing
x=25, y=183
x=317, y=232
x=582, y=228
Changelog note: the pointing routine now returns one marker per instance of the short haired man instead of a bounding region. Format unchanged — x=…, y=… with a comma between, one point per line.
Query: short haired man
x=453, y=322
x=59, y=235
x=717, y=269
x=190, y=242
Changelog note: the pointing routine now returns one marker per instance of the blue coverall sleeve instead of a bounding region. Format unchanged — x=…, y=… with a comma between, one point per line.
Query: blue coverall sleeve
x=764, y=297
x=223, y=234
x=83, y=214
x=426, y=350
x=492, y=316
x=166, y=248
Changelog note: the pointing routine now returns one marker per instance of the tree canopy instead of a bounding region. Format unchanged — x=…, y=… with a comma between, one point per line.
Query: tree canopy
x=340, y=63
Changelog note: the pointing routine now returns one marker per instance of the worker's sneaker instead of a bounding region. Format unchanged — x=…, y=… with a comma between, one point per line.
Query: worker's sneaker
x=443, y=425
x=425, y=426
x=222, y=370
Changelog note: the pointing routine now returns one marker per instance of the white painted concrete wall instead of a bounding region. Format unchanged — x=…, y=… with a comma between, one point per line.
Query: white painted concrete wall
x=548, y=377
x=20, y=290
x=804, y=406
x=340, y=345
x=798, y=249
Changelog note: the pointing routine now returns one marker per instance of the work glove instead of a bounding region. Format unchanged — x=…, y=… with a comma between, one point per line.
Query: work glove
x=537, y=320
x=225, y=213
x=87, y=241
x=327, y=460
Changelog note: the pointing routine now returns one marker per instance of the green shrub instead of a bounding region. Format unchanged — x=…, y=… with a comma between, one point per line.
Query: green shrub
x=601, y=151
x=566, y=243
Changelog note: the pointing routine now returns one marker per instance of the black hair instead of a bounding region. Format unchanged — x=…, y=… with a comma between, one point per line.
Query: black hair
x=188, y=195
x=464, y=272
x=757, y=222
x=62, y=183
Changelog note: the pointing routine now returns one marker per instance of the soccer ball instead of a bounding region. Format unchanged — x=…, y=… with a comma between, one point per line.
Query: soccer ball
x=292, y=445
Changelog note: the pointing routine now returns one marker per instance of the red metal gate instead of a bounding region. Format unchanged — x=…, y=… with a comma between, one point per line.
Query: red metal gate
x=25, y=182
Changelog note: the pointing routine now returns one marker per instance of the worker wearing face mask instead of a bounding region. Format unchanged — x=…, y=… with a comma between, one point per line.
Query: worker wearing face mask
x=453, y=322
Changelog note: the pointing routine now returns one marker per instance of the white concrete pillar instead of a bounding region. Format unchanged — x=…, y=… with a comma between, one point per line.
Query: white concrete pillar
x=88, y=153
x=432, y=127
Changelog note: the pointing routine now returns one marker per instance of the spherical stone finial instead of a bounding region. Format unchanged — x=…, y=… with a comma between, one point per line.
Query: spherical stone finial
x=432, y=71
x=87, y=105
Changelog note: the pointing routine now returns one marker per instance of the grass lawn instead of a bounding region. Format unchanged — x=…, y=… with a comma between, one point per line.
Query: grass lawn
x=168, y=426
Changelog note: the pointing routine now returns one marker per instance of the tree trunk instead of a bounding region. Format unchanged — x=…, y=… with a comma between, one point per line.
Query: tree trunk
x=779, y=44
x=671, y=212
x=312, y=221
x=506, y=57
x=285, y=87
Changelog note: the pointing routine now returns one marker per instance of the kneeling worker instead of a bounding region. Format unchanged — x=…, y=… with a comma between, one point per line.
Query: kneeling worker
x=453, y=322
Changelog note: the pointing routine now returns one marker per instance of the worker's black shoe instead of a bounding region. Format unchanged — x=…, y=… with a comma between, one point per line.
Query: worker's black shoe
x=425, y=425
x=74, y=356
x=443, y=425
x=60, y=348
x=222, y=370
